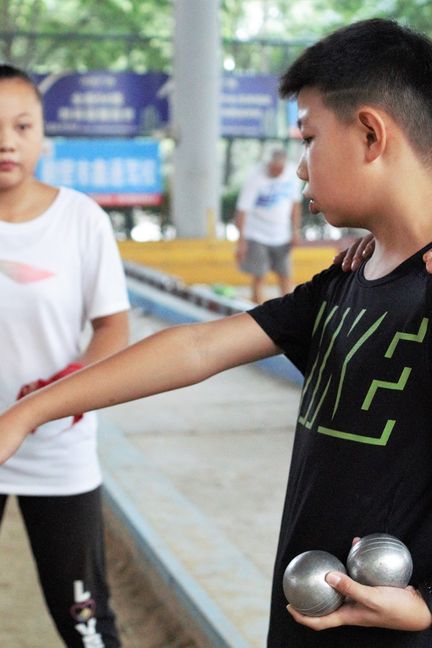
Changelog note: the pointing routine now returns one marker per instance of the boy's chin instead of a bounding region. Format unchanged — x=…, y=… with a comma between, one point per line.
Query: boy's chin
x=338, y=220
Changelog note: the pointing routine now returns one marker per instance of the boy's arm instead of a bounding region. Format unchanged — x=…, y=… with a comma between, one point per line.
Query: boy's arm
x=173, y=358
x=381, y=607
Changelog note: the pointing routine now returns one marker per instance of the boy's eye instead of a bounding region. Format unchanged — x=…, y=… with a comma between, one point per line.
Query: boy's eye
x=23, y=127
x=306, y=141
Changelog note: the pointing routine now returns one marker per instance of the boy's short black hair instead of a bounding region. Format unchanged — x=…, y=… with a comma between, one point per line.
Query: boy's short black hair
x=376, y=62
x=11, y=72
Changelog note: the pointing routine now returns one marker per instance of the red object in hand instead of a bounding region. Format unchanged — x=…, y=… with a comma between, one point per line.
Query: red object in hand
x=38, y=384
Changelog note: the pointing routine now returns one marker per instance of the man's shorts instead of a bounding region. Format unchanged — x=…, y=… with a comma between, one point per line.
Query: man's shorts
x=261, y=258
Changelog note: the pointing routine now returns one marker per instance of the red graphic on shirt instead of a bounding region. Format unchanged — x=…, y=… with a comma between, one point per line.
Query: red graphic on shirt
x=23, y=273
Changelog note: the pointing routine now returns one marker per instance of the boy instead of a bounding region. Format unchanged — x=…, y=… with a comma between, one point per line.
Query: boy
x=363, y=451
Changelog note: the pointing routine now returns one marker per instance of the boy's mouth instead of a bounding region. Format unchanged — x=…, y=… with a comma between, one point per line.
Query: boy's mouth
x=313, y=207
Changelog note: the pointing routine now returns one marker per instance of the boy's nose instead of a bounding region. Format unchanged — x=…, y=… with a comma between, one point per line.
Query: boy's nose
x=302, y=170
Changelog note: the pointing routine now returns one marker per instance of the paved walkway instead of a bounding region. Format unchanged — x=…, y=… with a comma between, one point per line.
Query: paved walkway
x=206, y=468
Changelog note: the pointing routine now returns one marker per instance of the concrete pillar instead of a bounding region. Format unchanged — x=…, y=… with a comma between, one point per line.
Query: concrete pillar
x=196, y=97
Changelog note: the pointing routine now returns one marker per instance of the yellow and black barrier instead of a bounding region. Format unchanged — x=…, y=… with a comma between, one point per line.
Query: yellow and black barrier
x=201, y=261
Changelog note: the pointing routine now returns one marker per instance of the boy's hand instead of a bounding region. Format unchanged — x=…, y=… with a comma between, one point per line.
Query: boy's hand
x=38, y=384
x=351, y=258
x=381, y=607
x=427, y=258
x=360, y=250
x=14, y=428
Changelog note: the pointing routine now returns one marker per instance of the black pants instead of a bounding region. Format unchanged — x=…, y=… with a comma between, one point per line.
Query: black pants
x=66, y=537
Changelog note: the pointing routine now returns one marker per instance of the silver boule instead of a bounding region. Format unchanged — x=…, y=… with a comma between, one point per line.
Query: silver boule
x=305, y=586
x=380, y=559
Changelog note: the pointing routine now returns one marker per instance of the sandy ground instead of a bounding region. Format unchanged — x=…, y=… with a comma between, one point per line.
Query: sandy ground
x=185, y=440
x=143, y=620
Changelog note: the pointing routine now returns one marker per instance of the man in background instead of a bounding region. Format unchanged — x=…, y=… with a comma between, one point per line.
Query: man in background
x=268, y=219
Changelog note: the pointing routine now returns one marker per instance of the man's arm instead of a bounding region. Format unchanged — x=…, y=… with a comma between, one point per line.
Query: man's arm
x=296, y=223
x=173, y=358
x=239, y=222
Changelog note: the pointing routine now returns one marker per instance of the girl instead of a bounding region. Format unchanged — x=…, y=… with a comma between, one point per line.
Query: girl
x=59, y=269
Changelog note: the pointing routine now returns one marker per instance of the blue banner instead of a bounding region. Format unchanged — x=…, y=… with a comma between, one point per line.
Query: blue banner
x=114, y=172
x=95, y=104
x=249, y=105
x=129, y=104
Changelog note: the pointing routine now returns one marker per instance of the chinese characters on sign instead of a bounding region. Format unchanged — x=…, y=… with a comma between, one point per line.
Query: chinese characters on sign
x=129, y=104
x=114, y=172
x=94, y=104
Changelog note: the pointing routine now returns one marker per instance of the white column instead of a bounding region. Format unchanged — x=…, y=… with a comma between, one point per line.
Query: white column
x=196, y=96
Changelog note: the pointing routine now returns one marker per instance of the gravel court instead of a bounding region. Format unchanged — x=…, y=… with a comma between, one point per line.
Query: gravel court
x=226, y=445
x=25, y=623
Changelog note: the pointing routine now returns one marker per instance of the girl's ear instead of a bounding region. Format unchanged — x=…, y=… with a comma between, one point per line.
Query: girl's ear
x=374, y=132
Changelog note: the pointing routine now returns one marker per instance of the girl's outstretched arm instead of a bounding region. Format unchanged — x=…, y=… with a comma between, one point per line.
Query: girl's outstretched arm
x=173, y=358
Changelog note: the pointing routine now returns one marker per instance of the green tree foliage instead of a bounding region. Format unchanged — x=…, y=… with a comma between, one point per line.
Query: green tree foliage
x=415, y=13
x=261, y=36
x=53, y=35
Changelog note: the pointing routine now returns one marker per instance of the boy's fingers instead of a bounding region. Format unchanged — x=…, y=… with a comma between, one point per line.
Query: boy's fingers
x=427, y=258
x=369, y=248
x=351, y=589
x=363, y=251
x=350, y=255
x=332, y=620
x=339, y=257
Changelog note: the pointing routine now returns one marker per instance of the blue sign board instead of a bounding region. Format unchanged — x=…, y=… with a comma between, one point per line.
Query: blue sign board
x=95, y=104
x=249, y=106
x=113, y=171
x=129, y=104
x=291, y=110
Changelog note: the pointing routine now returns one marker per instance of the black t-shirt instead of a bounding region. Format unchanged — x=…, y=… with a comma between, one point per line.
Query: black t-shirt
x=362, y=457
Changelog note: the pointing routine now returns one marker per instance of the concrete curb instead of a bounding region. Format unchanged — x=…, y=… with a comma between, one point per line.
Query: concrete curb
x=187, y=553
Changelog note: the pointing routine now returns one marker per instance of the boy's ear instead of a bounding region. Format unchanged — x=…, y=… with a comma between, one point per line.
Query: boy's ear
x=374, y=132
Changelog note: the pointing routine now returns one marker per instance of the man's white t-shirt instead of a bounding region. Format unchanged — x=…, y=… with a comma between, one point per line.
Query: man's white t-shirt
x=268, y=205
x=57, y=272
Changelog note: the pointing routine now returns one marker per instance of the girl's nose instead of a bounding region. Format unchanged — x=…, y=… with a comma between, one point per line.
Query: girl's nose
x=6, y=140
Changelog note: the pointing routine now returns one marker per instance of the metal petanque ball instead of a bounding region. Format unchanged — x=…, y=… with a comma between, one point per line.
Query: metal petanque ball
x=380, y=559
x=305, y=586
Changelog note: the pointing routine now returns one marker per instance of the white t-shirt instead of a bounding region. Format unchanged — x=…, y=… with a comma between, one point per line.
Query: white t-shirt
x=268, y=205
x=57, y=272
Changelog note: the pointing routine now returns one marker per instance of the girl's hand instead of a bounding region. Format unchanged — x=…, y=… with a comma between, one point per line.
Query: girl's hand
x=381, y=607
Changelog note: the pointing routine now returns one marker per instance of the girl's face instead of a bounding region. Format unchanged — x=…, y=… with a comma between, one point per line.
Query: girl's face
x=21, y=132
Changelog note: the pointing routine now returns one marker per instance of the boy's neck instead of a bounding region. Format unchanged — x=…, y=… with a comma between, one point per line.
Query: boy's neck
x=403, y=225
x=394, y=247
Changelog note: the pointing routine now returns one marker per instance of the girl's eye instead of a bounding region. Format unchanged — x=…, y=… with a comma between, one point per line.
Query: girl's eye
x=23, y=127
x=306, y=141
